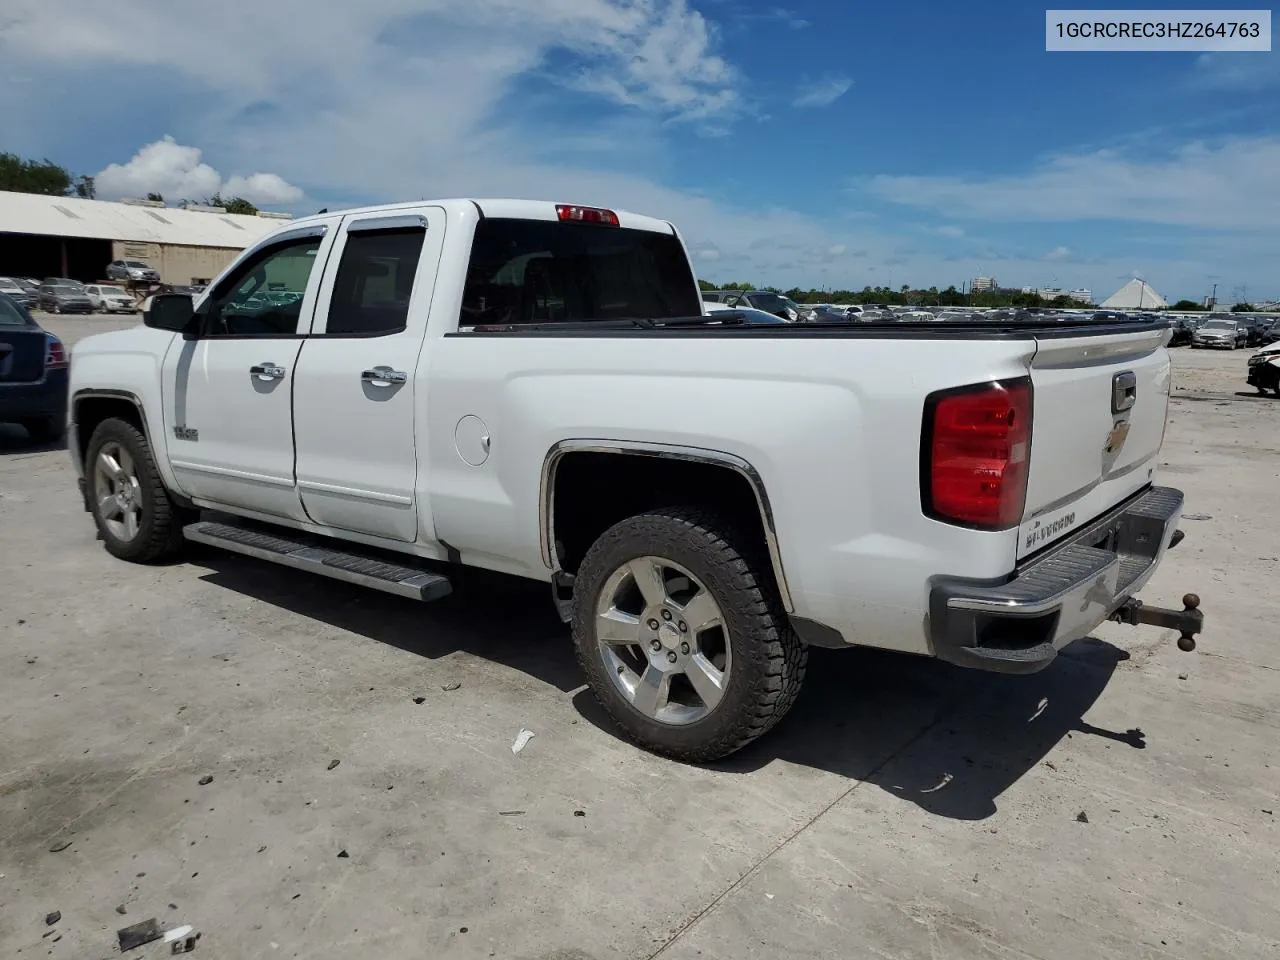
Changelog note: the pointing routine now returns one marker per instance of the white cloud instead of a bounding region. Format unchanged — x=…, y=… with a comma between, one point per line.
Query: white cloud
x=164, y=167
x=946, y=230
x=1230, y=186
x=1059, y=253
x=823, y=92
x=177, y=172
x=264, y=189
x=1238, y=71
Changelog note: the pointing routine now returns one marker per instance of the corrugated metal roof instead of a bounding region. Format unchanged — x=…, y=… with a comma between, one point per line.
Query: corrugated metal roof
x=100, y=220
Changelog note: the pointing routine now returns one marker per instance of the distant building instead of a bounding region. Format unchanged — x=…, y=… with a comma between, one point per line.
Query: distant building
x=43, y=236
x=1135, y=295
x=982, y=285
x=1079, y=295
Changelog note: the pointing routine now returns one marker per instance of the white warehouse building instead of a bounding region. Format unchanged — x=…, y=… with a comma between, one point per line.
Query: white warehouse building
x=43, y=236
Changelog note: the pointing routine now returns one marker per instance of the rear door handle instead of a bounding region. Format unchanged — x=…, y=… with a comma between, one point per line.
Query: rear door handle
x=267, y=371
x=384, y=376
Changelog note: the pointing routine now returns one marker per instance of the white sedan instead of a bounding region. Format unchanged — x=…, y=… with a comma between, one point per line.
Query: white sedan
x=109, y=299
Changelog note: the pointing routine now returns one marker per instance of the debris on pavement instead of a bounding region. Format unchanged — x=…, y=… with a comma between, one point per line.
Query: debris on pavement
x=343, y=855
x=51, y=918
x=138, y=934
x=1182, y=676
x=332, y=764
x=205, y=780
x=579, y=813
x=181, y=938
x=121, y=910
x=1082, y=817
x=451, y=686
x=511, y=813
x=60, y=846
x=419, y=700
x=522, y=740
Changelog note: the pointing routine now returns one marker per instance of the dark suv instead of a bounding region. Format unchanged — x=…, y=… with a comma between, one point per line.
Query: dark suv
x=65, y=297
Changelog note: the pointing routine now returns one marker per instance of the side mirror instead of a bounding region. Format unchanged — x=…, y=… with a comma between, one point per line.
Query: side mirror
x=170, y=311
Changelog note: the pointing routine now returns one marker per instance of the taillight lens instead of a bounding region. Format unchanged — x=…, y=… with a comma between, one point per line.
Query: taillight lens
x=55, y=355
x=977, y=442
x=586, y=214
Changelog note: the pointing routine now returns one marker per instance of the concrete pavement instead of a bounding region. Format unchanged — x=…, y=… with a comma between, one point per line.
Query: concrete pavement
x=905, y=809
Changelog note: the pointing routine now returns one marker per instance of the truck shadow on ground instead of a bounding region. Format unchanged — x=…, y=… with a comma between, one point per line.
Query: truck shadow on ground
x=949, y=740
x=15, y=441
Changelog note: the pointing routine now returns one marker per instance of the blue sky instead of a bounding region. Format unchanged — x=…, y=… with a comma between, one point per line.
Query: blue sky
x=816, y=143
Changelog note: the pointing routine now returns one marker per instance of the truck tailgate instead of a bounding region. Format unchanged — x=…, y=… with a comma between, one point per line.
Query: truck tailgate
x=1098, y=415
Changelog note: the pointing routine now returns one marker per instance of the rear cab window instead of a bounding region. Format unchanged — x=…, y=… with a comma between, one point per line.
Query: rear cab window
x=545, y=271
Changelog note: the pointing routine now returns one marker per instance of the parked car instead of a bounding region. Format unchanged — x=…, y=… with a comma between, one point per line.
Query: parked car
x=748, y=314
x=828, y=313
x=63, y=297
x=33, y=374
x=1271, y=333
x=108, y=299
x=15, y=291
x=706, y=500
x=62, y=282
x=134, y=270
x=719, y=296
x=1264, y=369
x=1219, y=332
x=768, y=302
x=1182, y=328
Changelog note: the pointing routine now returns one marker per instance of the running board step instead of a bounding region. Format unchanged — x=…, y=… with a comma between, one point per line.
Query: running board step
x=412, y=582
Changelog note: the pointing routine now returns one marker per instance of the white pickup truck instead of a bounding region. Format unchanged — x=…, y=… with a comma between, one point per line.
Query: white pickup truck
x=379, y=395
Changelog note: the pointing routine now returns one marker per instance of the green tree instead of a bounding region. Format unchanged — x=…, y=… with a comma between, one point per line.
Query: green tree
x=33, y=176
x=85, y=188
x=1242, y=308
x=1186, y=305
x=233, y=205
x=155, y=197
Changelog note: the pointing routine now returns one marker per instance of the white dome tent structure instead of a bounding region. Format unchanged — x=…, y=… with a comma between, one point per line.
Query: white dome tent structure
x=1135, y=295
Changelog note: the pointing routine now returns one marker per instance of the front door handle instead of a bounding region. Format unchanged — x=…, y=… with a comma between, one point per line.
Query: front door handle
x=267, y=371
x=384, y=376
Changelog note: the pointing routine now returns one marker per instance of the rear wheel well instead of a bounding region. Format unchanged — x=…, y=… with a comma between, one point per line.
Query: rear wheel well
x=88, y=412
x=592, y=491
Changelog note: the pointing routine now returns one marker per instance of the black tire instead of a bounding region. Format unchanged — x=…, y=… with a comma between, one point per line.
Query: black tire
x=45, y=429
x=768, y=659
x=160, y=528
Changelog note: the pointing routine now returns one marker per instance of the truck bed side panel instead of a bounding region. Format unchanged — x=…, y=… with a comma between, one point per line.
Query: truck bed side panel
x=833, y=429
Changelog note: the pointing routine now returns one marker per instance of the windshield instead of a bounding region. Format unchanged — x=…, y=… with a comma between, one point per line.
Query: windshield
x=769, y=301
x=112, y=292
x=1219, y=325
x=136, y=265
x=67, y=289
x=538, y=271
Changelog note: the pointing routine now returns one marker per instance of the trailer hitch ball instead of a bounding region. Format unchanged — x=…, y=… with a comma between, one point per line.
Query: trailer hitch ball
x=1187, y=642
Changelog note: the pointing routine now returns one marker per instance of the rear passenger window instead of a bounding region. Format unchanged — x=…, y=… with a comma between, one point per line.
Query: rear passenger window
x=539, y=271
x=375, y=279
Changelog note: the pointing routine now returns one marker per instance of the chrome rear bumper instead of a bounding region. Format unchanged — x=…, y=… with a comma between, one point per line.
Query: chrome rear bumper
x=1057, y=596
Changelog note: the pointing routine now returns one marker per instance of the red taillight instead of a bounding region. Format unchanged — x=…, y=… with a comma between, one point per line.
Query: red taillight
x=977, y=444
x=55, y=356
x=586, y=214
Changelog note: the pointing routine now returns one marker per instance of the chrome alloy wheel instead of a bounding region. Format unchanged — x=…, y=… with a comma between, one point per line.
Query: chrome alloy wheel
x=663, y=640
x=117, y=492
